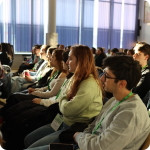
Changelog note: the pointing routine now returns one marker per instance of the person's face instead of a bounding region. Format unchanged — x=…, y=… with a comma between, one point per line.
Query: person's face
x=128, y=53
x=112, y=53
x=98, y=52
x=140, y=57
x=48, y=55
x=43, y=54
x=37, y=52
x=71, y=62
x=53, y=60
x=65, y=66
x=108, y=80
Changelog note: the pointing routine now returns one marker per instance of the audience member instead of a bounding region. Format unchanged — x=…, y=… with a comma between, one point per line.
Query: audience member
x=142, y=54
x=77, y=103
x=93, y=51
x=62, y=47
x=123, y=122
x=125, y=51
x=45, y=92
x=130, y=52
x=121, y=50
x=37, y=109
x=18, y=83
x=108, y=52
x=114, y=51
x=100, y=55
x=4, y=57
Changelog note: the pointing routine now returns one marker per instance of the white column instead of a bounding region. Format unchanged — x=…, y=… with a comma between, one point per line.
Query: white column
x=51, y=36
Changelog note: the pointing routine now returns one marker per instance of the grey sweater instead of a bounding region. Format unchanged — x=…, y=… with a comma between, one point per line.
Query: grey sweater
x=125, y=128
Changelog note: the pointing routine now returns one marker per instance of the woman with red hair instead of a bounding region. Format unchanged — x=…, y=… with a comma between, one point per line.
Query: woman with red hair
x=79, y=102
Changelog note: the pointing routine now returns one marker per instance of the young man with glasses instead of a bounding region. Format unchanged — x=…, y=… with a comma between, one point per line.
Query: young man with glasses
x=123, y=123
x=142, y=55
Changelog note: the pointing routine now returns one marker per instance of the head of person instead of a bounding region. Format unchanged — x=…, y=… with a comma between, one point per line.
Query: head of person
x=49, y=52
x=43, y=52
x=37, y=50
x=62, y=47
x=56, y=60
x=123, y=74
x=0, y=48
x=93, y=50
x=81, y=63
x=99, y=51
x=142, y=53
x=125, y=51
x=103, y=49
x=121, y=50
x=108, y=51
x=114, y=51
x=130, y=52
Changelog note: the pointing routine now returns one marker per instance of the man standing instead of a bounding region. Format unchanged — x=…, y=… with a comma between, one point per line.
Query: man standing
x=123, y=123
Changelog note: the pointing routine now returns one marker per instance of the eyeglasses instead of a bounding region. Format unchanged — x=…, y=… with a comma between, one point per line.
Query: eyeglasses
x=105, y=75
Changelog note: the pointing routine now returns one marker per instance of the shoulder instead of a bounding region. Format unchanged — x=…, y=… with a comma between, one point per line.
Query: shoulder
x=62, y=75
x=89, y=83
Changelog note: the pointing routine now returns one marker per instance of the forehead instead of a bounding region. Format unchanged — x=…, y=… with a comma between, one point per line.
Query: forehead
x=108, y=71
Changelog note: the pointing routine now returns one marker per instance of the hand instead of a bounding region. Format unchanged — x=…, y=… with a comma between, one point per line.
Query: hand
x=74, y=136
x=28, y=78
x=36, y=100
x=30, y=90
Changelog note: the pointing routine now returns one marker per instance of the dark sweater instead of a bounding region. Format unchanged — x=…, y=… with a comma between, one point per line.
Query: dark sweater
x=143, y=86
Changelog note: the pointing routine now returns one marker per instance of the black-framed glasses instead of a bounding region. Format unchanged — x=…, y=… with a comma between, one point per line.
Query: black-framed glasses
x=105, y=75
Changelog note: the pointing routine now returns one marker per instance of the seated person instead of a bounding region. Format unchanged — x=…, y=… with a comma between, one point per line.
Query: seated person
x=142, y=55
x=123, y=122
x=29, y=64
x=29, y=112
x=80, y=101
x=100, y=55
x=4, y=58
x=114, y=51
x=51, y=89
x=18, y=82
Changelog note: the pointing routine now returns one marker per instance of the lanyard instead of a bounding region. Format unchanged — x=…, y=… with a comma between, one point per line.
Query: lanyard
x=60, y=90
x=55, y=74
x=112, y=110
x=144, y=67
x=95, y=57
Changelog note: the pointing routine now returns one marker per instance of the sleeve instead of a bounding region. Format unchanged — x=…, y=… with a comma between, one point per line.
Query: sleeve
x=51, y=93
x=143, y=86
x=85, y=96
x=116, y=136
x=48, y=102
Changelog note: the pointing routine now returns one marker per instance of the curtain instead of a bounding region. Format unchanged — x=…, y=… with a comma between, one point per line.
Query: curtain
x=98, y=23
x=21, y=23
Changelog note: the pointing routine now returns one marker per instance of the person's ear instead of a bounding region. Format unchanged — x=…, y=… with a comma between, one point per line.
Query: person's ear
x=146, y=57
x=122, y=83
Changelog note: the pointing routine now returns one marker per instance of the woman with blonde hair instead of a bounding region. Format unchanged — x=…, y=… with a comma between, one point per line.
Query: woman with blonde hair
x=79, y=102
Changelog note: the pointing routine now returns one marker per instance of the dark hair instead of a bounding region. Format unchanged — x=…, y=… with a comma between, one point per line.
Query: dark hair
x=65, y=56
x=115, y=50
x=131, y=51
x=120, y=53
x=46, y=48
x=50, y=50
x=69, y=47
x=125, y=51
x=143, y=47
x=102, y=52
x=124, y=68
x=94, y=50
x=37, y=46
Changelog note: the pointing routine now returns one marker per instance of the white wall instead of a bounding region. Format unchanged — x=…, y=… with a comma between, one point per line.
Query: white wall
x=145, y=31
x=17, y=61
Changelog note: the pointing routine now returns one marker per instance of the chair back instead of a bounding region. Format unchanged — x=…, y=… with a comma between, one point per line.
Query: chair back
x=146, y=144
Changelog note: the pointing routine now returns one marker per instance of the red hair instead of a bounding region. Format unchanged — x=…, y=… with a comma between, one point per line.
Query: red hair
x=85, y=67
